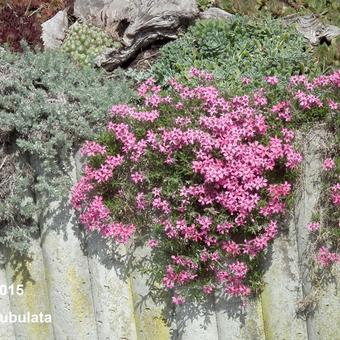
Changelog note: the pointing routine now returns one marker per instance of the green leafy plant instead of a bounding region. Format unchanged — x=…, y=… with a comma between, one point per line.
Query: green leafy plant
x=205, y=4
x=231, y=50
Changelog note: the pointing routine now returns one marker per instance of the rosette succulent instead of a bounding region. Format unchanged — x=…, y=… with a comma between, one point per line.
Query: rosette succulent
x=84, y=42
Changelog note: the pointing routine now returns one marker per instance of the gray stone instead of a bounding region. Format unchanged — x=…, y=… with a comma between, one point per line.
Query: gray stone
x=320, y=303
x=54, y=30
x=85, y=9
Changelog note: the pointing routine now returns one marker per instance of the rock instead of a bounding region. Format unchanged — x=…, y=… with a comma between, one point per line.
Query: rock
x=215, y=13
x=53, y=30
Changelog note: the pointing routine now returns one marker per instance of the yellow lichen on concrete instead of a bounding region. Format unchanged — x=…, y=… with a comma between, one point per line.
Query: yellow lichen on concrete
x=34, y=299
x=80, y=302
x=150, y=324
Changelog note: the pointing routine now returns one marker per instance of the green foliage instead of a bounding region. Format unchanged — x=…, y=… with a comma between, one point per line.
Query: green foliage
x=204, y=4
x=231, y=50
x=84, y=42
x=329, y=54
x=328, y=9
x=47, y=106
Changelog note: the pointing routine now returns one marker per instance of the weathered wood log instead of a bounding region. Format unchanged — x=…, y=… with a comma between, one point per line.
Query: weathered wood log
x=312, y=28
x=138, y=23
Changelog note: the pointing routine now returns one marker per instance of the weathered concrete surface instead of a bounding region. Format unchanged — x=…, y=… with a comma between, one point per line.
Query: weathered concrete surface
x=67, y=272
x=111, y=290
x=197, y=321
x=283, y=289
x=235, y=322
x=6, y=329
x=324, y=322
x=82, y=284
x=30, y=273
x=150, y=323
x=308, y=196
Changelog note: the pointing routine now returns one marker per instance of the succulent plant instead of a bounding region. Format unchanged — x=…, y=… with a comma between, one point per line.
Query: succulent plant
x=84, y=42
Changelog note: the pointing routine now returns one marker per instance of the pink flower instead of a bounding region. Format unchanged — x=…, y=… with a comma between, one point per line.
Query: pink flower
x=326, y=257
x=137, y=177
x=121, y=233
x=153, y=243
x=332, y=104
x=92, y=149
x=328, y=164
x=178, y=300
x=272, y=80
x=208, y=289
x=245, y=80
x=314, y=226
x=140, y=201
x=335, y=194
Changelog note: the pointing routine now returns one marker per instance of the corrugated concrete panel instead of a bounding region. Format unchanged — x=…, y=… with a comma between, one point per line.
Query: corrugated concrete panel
x=324, y=322
x=67, y=272
x=326, y=318
x=30, y=273
x=149, y=318
x=111, y=290
x=197, y=321
x=239, y=323
x=283, y=289
x=6, y=328
x=308, y=195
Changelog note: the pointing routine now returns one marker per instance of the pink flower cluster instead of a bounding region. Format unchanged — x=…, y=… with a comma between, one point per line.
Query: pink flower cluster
x=328, y=164
x=313, y=226
x=194, y=72
x=325, y=257
x=205, y=176
x=335, y=194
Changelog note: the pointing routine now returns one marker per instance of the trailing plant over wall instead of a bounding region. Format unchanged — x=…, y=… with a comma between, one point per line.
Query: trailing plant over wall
x=234, y=49
x=47, y=106
x=199, y=177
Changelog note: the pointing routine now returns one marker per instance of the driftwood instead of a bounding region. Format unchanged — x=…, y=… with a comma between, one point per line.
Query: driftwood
x=312, y=28
x=139, y=23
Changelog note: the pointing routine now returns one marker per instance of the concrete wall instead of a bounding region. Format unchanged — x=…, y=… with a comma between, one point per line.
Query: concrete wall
x=77, y=279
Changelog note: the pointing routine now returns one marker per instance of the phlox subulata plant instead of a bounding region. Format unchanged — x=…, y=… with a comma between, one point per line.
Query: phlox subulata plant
x=201, y=178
